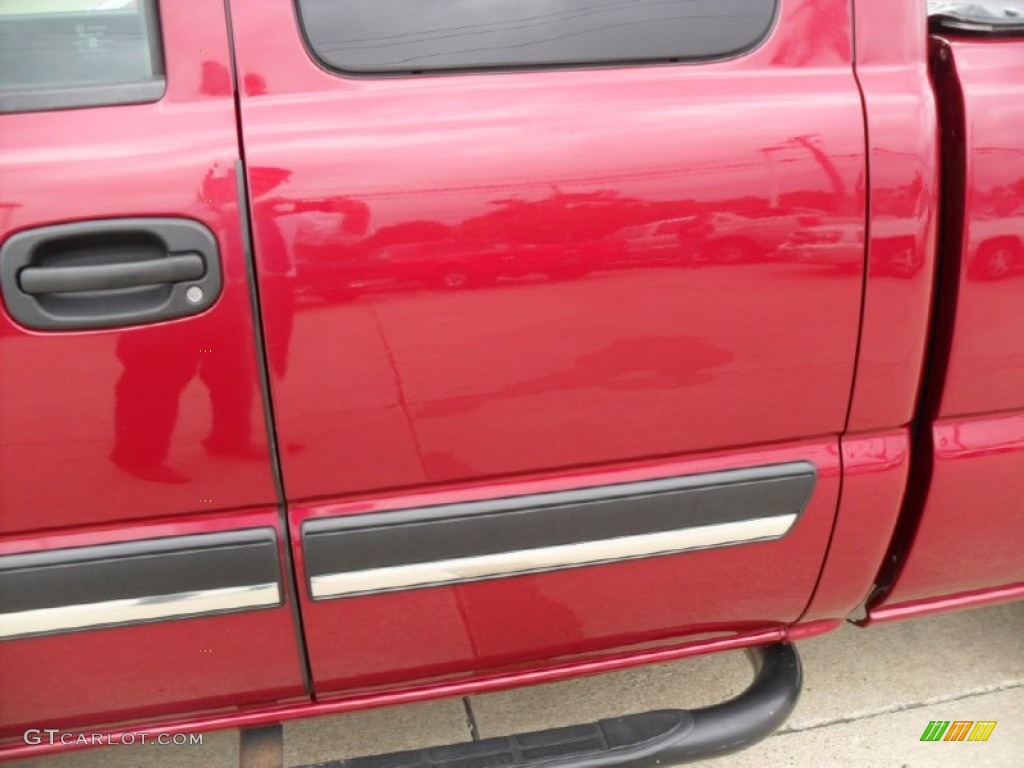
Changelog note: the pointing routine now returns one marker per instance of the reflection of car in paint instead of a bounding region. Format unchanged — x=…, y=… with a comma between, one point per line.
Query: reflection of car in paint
x=224, y=507
x=826, y=244
x=670, y=241
x=1000, y=249
x=998, y=258
x=723, y=237
x=735, y=238
x=462, y=264
x=452, y=265
x=894, y=251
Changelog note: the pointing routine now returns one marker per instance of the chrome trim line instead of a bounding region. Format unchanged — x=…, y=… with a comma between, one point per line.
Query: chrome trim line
x=525, y=561
x=66, y=618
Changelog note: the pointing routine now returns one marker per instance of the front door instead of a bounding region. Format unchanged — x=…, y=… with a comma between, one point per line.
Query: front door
x=141, y=548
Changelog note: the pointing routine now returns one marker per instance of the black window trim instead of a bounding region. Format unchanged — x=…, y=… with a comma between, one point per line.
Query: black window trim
x=44, y=100
x=426, y=72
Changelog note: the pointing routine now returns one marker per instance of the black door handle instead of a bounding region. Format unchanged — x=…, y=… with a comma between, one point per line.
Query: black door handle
x=105, y=277
x=109, y=272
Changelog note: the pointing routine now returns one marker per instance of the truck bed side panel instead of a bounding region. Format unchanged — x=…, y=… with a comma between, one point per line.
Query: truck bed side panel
x=970, y=528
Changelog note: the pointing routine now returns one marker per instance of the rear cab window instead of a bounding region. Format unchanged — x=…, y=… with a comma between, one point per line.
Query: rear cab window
x=413, y=37
x=60, y=54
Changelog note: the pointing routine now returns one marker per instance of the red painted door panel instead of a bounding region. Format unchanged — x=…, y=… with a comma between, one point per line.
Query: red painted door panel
x=130, y=433
x=147, y=669
x=971, y=528
x=120, y=415
x=475, y=282
x=903, y=189
x=544, y=619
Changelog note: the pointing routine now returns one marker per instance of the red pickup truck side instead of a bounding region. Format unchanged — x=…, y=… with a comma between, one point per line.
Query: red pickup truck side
x=358, y=352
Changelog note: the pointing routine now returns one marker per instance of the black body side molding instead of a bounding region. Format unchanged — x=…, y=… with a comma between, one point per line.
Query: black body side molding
x=106, y=585
x=660, y=738
x=349, y=555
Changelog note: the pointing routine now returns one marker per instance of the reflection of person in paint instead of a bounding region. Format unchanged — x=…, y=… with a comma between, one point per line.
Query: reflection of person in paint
x=220, y=354
x=146, y=407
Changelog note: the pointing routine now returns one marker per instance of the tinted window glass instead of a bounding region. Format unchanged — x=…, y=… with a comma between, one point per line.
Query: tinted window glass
x=64, y=53
x=423, y=35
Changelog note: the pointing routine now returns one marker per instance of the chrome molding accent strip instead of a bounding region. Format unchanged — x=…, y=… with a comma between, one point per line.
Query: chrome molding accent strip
x=138, y=569
x=440, y=532
x=519, y=562
x=66, y=618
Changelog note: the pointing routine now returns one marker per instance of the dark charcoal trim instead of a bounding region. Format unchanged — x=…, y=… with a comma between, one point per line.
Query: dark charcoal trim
x=659, y=738
x=104, y=246
x=427, y=534
x=145, y=92
x=137, y=569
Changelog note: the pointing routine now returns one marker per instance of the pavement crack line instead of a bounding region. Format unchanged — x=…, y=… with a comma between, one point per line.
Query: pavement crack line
x=474, y=730
x=903, y=708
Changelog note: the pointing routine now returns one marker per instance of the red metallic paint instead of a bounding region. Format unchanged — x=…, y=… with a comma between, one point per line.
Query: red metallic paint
x=874, y=480
x=149, y=670
x=970, y=529
x=255, y=717
x=971, y=533
x=71, y=404
x=106, y=426
x=916, y=608
x=985, y=371
x=486, y=285
x=902, y=144
x=533, y=284
x=624, y=292
x=804, y=630
x=488, y=627
x=258, y=716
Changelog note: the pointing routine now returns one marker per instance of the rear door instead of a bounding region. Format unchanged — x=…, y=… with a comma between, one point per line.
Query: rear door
x=561, y=303
x=140, y=540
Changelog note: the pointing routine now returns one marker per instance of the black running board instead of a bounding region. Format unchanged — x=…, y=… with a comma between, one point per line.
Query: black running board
x=661, y=738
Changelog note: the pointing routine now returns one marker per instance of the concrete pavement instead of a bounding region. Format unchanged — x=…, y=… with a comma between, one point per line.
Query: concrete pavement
x=868, y=696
